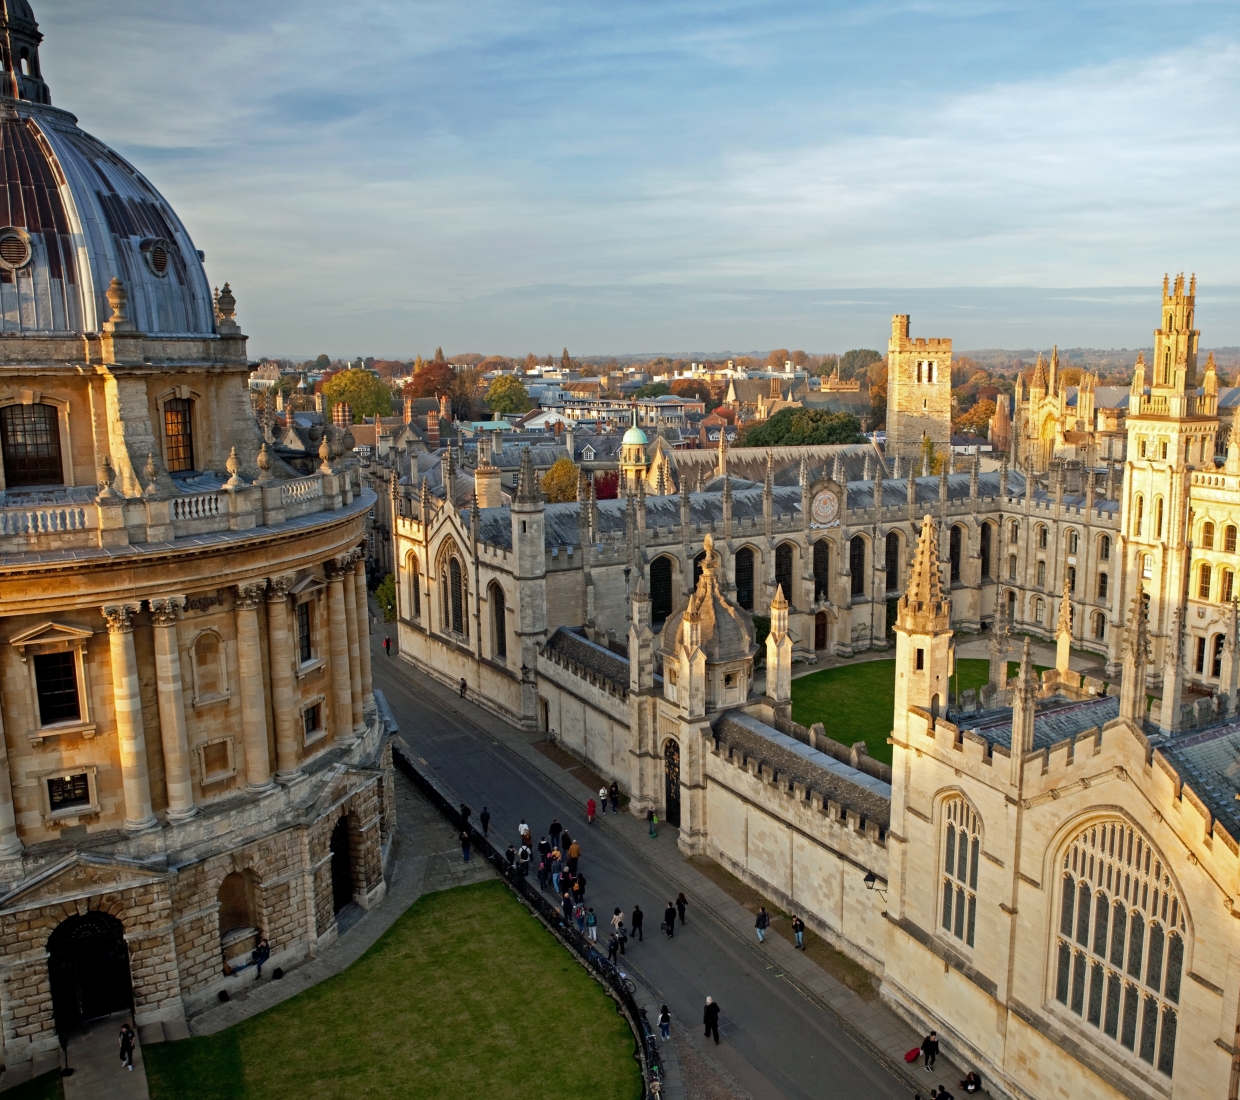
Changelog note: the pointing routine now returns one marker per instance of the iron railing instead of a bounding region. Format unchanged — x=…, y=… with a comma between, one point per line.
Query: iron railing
x=613, y=979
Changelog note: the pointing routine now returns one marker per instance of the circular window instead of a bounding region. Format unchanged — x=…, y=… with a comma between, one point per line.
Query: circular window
x=157, y=250
x=14, y=248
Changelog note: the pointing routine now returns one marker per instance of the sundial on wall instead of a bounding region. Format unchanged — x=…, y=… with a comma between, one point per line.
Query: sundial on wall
x=825, y=510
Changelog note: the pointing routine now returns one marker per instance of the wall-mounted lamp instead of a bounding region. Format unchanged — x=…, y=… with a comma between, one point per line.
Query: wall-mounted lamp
x=870, y=880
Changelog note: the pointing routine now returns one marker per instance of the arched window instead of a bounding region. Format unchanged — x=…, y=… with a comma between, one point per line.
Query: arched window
x=953, y=553
x=209, y=666
x=30, y=439
x=984, y=546
x=1013, y=531
x=822, y=570
x=1147, y=566
x=1073, y=542
x=1203, y=584
x=1100, y=625
x=456, y=597
x=1158, y=517
x=1138, y=523
x=1041, y=574
x=1104, y=548
x=1103, y=585
x=499, y=622
x=660, y=589
x=1229, y=539
x=1011, y=567
x=1207, y=535
x=892, y=555
x=415, y=586
x=744, y=578
x=1225, y=589
x=1216, y=660
x=783, y=571
x=962, y=848
x=1119, y=955
x=1042, y=537
x=856, y=564
x=1039, y=609
x=1072, y=579
x=179, y=434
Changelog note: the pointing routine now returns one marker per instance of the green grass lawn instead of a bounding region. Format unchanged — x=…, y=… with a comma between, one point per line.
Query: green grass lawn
x=47, y=1086
x=855, y=702
x=465, y=996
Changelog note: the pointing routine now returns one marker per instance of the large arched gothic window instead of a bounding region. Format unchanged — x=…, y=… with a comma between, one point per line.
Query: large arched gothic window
x=783, y=570
x=660, y=589
x=856, y=564
x=893, y=561
x=744, y=578
x=499, y=622
x=1119, y=955
x=456, y=596
x=822, y=570
x=962, y=848
x=415, y=586
x=953, y=553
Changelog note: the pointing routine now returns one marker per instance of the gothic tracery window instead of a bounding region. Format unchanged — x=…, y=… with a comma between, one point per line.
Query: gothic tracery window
x=962, y=847
x=1119, y=956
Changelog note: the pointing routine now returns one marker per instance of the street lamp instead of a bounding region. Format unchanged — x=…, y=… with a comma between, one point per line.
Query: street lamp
x=870, y=880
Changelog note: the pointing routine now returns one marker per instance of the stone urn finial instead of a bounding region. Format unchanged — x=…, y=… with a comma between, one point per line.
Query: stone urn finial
x=264, y=465
x=150, y=474
x=118, y=299
x=325, y=452
x=226, y=304
x=105, y=476
x=232, y=466
x=347, y=441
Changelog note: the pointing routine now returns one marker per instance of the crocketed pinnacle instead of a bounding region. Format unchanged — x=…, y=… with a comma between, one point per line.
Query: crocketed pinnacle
x=1038, y=382
x=527, y=483
x=923, y=608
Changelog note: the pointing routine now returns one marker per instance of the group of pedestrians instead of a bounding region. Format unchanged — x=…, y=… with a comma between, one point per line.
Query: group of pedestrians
x=605, y=794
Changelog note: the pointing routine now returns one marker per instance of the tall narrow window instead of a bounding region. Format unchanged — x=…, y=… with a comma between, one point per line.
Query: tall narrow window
x=822, y=570
x=55, y=677
x=1200, y=664
x=1203, y=586
x=1104, y=548
x=1073, y=542
x=1011, y=567
x=499, y=620
x=1103, y=584
x=305, y=645
x=1158, y=518
x=1229, y=539
x=985, y=549
x=1227, y=587
x=30, y=436
x=856, y=564
x=961, y=849
x=456, y=597
x=1207, y=535
x=1041, y=574
x=1072, y=579
x=744, y=578
x=179, y=432
x=893, y=562
x=1013, y=531
x=660, y=589
x=1138, y=525
x=954, y=541
x=1100, y=625
x=1216, y=661
x=415, y=587
x=783, y=571
x=1042, y=538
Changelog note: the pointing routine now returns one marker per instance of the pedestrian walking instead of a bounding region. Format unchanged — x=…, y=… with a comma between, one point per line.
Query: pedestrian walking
x=510, y=858
x=387, y=645
x=463, y=686
x=761, y=923
x=127, y=1041
x=669, y=919
x=542, y=874
x=579, y=883
x=566, y=907
x=589, y=811
x=682, y=903
x=798, y=931
x=466, y=813
x=602, y=798
x=613, y=947
x=710, y=1017
x=592, y=925
x=465, y=844
x=523, y=860
x=617, y=919
x=930, y=1048
x=566, y=842
x=485, y=818
x=574, y=856
x=556, y=868
x=554, y=830
x=615, y=797
x=544, y=848
x=652, y=821
x=261, y=954
x=523, y=831
x=579, y=915
x=636, y=921
x=665, y=1023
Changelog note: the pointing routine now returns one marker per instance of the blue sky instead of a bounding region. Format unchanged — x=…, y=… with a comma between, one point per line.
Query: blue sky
x=385, y=176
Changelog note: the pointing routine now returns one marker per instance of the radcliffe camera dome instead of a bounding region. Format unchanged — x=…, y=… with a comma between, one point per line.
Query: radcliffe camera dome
x=74, y=214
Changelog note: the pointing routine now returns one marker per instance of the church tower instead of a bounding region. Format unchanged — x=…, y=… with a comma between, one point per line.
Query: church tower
x=531, y=577
x=633, y=456
x=1171, y=433
x=923, y=635
x=919, y=392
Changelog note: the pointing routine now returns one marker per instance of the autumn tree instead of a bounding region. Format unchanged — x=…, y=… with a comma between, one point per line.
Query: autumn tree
x=853, y=363
x=507, y=394
x=606, y=484
x=432, y=380
x=559, y=484
x=439, y=356
x=566, y=361
x=797, y=427
x=777, y=358
x=976, y=419
x=531, y=361
x=366, y=394
x=466, y=399
x=692, y=389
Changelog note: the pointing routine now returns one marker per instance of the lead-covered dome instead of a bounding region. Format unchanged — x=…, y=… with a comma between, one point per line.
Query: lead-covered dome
x=74, y=214
x=726, y=631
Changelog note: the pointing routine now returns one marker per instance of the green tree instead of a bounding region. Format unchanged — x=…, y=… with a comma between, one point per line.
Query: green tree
x=652, y=389
x=930, y=456
x=322, y=362
x=853, y=363
x=797, y=427
x=559, y=484
x=368, y=395
x=385, y=597
x=507, y=394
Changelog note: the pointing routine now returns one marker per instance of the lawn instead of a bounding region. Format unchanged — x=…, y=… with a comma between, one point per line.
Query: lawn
x=855, y=702
x=465, y=996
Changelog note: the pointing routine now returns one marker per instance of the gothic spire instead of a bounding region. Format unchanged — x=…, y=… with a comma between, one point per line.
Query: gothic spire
x=923, y=608
x=527, y=482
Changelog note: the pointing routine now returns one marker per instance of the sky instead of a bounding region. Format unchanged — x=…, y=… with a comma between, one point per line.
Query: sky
x=382, y=177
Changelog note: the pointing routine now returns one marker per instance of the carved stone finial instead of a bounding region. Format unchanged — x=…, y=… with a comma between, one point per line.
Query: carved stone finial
x=150, y=474
x=264, y=465
x=118, y=299
x=325, y=451
x=105, y=476
x=232, y=466
x=225, y=304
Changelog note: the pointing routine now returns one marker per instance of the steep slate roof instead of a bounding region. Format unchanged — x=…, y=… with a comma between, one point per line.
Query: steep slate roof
x=598, y=659
x=1050, y=726
x=831, y=778
x=750, y=462
x=1209, y=763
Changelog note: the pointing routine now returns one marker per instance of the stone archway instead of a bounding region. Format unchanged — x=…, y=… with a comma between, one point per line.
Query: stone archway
x=342, y=866
x=88, y=969
x=671, y=782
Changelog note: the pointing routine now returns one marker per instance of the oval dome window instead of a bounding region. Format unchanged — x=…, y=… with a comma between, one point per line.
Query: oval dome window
x=14, y=248
x=156, y=250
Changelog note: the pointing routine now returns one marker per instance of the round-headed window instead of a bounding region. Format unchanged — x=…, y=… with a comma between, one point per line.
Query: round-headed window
x=14, y=248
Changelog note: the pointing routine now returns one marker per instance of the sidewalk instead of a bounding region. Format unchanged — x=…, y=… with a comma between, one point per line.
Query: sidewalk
x=873, y=1025
x=98, y=1072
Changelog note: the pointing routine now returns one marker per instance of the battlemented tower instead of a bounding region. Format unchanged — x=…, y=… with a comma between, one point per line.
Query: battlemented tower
x=919, y=392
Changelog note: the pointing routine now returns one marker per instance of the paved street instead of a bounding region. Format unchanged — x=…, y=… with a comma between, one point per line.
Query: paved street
x=778, y=1039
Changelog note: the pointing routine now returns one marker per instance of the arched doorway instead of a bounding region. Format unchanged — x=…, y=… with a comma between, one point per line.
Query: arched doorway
x=820, y=630
x=342, y=866
x=671, y=783
x=88, y=966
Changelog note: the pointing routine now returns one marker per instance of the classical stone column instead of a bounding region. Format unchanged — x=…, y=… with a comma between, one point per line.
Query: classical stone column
x=253, y=697
x=363, y=632
x=10, y=844
x=351, y=627
x=283, y=705
x=127, y=703
x=165, y=611
x=338, y=638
